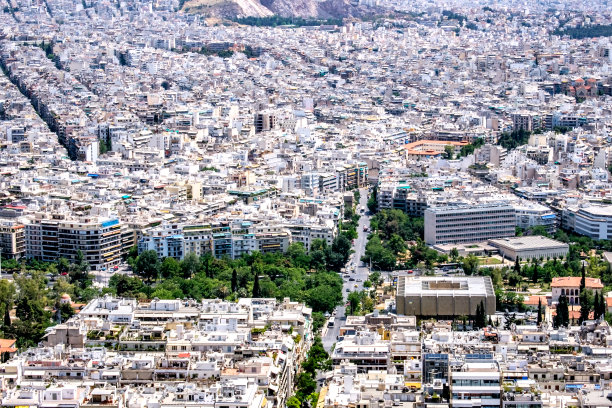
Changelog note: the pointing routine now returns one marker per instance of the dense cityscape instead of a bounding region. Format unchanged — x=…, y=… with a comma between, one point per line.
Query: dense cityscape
x=305, y=204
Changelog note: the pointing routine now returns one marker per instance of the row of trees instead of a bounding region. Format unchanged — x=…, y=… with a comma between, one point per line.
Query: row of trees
x=309, y=278
x=591, y=31
x=514, y=139
x=306, y=385
x=466, y=150
x=276, y=20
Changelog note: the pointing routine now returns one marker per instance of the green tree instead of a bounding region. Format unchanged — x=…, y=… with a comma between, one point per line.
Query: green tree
x=373, y=201
x=480, y=319
x=126, y=286
x=66, y=311
x=190, y=265
x=342, y=245
x=63, y=266
x=294, y=402
x=147, y=265
x=586, y=304
x=78, y=271
x=318, y=358
x=517, y=266
x=562, y=317
x=470, y=264
x=510, y=319
x=540, y=312
x=305, y=384
x=448, y=152
x=170, y=268
x=256, y=289
x=318, y=320
x=539, y=230
x=396, y=244
x=323, y=298
x=602, y=305
x=354, y=298
x=454, y=254
x=7, y=318
x=234, y=282
x=298, y=255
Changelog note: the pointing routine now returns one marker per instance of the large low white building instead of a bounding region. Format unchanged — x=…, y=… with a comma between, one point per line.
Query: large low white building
x=529, y=247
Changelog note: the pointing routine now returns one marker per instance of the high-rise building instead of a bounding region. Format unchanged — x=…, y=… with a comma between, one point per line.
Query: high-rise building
x=12, y=240
x=99, y=240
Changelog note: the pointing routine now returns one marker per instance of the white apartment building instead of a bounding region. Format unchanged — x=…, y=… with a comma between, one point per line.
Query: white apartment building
x=98, y=239
x=365, y=349
x=593, y=221
x=455, y=224
x=530, y=214
x=476, y=385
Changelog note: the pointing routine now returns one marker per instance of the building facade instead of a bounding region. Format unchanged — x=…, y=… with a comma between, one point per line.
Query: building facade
x=454, y=224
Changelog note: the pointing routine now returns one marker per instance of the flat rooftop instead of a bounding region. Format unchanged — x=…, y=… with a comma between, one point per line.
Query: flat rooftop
x=444, y=286
x=532, y=242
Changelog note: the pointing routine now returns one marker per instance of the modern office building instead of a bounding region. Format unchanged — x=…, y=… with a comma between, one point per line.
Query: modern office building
x=469, y=223
x=448, y=297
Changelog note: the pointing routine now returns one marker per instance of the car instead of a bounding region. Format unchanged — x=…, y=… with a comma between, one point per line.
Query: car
x=115, y=268
x=359, y=280
x=351, y=279
x=346, y=276
x=348, y=290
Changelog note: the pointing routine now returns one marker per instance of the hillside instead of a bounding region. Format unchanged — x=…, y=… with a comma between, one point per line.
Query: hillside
x=231, y=9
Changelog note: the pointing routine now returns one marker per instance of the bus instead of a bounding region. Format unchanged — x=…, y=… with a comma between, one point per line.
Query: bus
x=331, y=322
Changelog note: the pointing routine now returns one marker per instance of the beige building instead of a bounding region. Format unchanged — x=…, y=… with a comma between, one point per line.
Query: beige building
x=448, y=297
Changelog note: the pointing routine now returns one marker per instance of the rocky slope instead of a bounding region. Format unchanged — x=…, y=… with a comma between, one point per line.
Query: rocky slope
x=261, y=8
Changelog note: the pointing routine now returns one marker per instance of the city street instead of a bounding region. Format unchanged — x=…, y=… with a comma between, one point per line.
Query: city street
x=361, y=274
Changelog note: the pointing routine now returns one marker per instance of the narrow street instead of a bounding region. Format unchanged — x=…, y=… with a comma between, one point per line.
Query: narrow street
x=361, y=274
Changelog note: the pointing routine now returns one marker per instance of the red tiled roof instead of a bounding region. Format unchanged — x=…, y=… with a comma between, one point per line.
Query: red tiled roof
x=7, y=345
x=574, y=282
x=534, y=300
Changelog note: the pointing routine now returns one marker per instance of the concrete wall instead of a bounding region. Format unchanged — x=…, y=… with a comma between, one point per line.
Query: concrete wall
x=425, y=305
